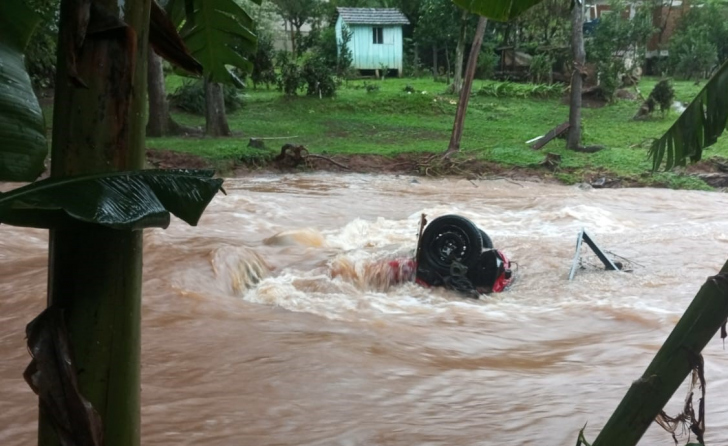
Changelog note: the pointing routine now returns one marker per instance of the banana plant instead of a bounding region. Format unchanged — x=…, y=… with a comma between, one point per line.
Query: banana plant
x=96, y=201
x=215, y=31
x=698, y=127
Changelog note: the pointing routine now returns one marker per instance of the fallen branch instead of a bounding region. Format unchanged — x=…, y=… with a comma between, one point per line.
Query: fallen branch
x=313, y=155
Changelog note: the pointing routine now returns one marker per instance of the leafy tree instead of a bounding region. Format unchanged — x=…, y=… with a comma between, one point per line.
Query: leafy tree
x=545, y=24
x=438, y=28
x=502, y=10
x=616, y=40
x=263, y=66
x=40, y=55
x=700, y=40
x=297, y=13
x=692, y=53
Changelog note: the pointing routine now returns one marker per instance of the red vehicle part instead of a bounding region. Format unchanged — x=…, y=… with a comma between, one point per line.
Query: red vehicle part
x=404, y=270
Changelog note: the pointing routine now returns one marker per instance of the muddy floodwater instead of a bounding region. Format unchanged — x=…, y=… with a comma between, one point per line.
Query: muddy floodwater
x=321, y=351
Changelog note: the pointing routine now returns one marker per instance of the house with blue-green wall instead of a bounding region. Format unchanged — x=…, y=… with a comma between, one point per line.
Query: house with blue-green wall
x=376, y=37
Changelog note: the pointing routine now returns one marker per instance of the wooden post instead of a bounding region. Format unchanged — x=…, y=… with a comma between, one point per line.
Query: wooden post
x=94, y=272
x=672, y=364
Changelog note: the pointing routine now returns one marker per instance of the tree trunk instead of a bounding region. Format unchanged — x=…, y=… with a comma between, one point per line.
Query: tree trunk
x=294, y=42
x=435, y=68
x=460, y=54
x=94, y=273
x=160, y=122
x=215, y=120
x=577, y=43
x=457, y=129
x=285, y=32
x=447, y=65
x=671, y=365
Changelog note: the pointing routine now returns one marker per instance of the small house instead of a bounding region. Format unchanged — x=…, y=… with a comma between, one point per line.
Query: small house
x=376, y=37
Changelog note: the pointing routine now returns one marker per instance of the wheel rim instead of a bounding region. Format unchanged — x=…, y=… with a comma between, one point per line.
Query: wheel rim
x=450, y=244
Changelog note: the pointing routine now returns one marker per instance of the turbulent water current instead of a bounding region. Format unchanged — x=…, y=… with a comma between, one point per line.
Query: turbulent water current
x=269, y=323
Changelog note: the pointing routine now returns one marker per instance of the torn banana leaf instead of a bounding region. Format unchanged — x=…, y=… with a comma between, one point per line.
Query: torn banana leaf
x=121, y=200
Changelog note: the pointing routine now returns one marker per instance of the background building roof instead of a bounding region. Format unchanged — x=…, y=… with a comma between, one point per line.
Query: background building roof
x=373, y=16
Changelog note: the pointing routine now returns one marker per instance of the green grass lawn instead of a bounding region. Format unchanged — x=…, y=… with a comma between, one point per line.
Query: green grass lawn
x=390, y=121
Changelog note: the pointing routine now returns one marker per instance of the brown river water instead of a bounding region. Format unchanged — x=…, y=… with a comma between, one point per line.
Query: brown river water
x=320, y=352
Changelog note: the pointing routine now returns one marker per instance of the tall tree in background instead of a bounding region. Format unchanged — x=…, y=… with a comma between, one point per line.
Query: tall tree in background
x=502, y=10
x=458, y=125
x=573, y=139
x=160, y=122
x=457, y=83
x=297, y=13
x=438, y=28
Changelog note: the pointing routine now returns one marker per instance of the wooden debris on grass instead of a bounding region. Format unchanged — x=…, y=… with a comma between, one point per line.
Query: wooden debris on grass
x=557, y=131
x=292, y=156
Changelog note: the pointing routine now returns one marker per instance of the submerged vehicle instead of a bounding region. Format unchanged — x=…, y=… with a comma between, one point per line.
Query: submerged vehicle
x=452, y=252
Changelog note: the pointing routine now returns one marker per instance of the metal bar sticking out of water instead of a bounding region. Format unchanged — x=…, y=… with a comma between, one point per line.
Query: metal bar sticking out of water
x=608, y=264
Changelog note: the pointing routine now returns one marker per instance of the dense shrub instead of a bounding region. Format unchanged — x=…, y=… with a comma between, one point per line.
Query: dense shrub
x=323, y=44
x=703, y=28
x=615, y=37
x=487, y=61
x=541, y=68
x=319, y=77
x=289, y=80
x=663, y=94
x=692, y=53
x=263, y=68
x=40, y=55
x=190, y=97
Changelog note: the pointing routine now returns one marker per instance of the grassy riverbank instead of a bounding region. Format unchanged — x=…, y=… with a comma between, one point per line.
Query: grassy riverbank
x=391, y=122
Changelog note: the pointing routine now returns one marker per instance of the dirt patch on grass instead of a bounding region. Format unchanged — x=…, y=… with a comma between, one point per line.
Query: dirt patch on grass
x=168, y=159
x=712, y=165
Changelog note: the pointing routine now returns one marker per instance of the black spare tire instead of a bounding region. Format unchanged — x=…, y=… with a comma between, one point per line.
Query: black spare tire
x=450, y=238
x=487, y=242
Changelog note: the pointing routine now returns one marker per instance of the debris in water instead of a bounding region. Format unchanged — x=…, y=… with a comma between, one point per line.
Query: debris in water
x=608, y=263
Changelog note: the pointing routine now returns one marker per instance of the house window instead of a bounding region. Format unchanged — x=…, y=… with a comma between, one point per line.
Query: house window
x=378, y=35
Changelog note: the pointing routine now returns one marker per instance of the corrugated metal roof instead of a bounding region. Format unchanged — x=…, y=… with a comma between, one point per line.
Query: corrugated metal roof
x=373, y=16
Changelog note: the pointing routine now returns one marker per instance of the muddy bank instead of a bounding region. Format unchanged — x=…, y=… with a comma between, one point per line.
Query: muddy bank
x=714, y=172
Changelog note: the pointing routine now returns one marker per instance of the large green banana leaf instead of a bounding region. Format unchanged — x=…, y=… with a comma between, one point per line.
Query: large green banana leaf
x=120, y=200
x=23, y=146
x=215, y=31
x=500, y=10
x=698, y=127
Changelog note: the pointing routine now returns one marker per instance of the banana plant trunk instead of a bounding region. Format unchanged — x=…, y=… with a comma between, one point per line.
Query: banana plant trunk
x=671, y=365
x=95, y=273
